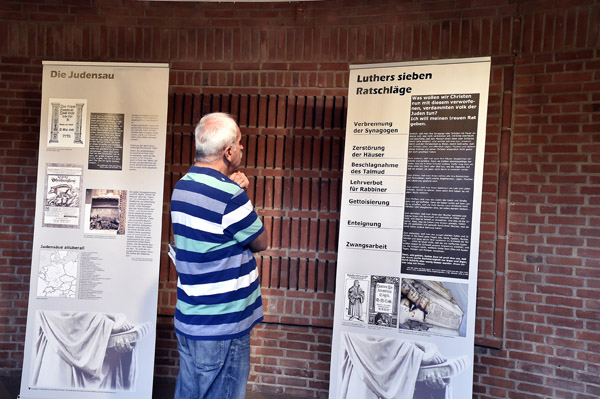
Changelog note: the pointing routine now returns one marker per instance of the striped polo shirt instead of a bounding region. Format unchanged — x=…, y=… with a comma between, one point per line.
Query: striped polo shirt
x=218, y=290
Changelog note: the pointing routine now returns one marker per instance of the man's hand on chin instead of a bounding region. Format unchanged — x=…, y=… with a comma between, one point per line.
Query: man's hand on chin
x=240, y=179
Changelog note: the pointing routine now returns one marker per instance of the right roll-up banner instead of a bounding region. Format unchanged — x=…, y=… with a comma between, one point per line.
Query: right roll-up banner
x=406, y=284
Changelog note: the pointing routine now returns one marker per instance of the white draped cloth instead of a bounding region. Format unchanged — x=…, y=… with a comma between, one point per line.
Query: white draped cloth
x=379, y=367
x=72, y=352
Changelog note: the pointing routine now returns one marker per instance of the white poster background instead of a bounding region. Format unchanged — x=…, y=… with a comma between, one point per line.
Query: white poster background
x=375, y=360
x=91, y=324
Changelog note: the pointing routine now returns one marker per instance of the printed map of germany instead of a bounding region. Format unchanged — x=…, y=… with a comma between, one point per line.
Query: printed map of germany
x=58, y=274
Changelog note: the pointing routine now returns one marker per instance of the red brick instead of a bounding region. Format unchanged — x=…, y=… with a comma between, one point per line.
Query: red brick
x=548, y=50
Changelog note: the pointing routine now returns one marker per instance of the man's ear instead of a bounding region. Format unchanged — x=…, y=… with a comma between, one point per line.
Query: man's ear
x=228, y=153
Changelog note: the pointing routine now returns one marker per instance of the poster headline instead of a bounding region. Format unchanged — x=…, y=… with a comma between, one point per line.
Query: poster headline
x=390, y=89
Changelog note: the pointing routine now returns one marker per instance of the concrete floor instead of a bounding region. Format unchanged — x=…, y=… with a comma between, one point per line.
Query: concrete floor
x=9, y=387
x=162, y=389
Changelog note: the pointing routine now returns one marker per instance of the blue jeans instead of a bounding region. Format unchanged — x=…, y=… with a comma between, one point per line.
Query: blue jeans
x=213, y=369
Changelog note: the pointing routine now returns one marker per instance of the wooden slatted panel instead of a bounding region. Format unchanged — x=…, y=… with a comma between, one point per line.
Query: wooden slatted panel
x=293, y=157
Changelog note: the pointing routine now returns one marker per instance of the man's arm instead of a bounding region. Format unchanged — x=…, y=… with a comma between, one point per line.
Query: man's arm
x=260, y=243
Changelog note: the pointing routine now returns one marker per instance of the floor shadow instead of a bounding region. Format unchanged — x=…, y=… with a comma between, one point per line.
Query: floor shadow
x=161, y=389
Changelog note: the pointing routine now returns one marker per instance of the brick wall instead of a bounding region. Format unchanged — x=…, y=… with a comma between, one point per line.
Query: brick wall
x=282, y=68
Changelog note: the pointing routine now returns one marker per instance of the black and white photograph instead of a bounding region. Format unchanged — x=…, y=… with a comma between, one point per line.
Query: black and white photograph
x=77, y=350
x=374, y=367
x=105, y=211
x=436, y=307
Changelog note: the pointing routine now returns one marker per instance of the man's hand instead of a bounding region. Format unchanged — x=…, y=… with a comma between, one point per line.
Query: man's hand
x=240, y=179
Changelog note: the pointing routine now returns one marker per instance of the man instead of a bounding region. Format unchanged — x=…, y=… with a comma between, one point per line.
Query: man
x=356, y=297
x=216, y=231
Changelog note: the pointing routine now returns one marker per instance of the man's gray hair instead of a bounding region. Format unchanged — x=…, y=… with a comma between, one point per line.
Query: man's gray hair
x=214, y=133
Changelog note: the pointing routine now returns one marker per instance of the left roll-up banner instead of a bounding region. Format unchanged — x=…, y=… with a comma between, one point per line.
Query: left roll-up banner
x=91, y=320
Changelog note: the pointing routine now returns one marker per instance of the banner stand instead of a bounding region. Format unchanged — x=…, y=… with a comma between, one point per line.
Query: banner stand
x=406, y=281
x=91, y=323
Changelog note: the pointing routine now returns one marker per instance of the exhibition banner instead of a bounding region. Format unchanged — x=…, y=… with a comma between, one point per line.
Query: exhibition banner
x=91, y=322
x=409, y=230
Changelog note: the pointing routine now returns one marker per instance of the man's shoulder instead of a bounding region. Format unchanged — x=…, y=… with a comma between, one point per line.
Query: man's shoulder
x=200, y=179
